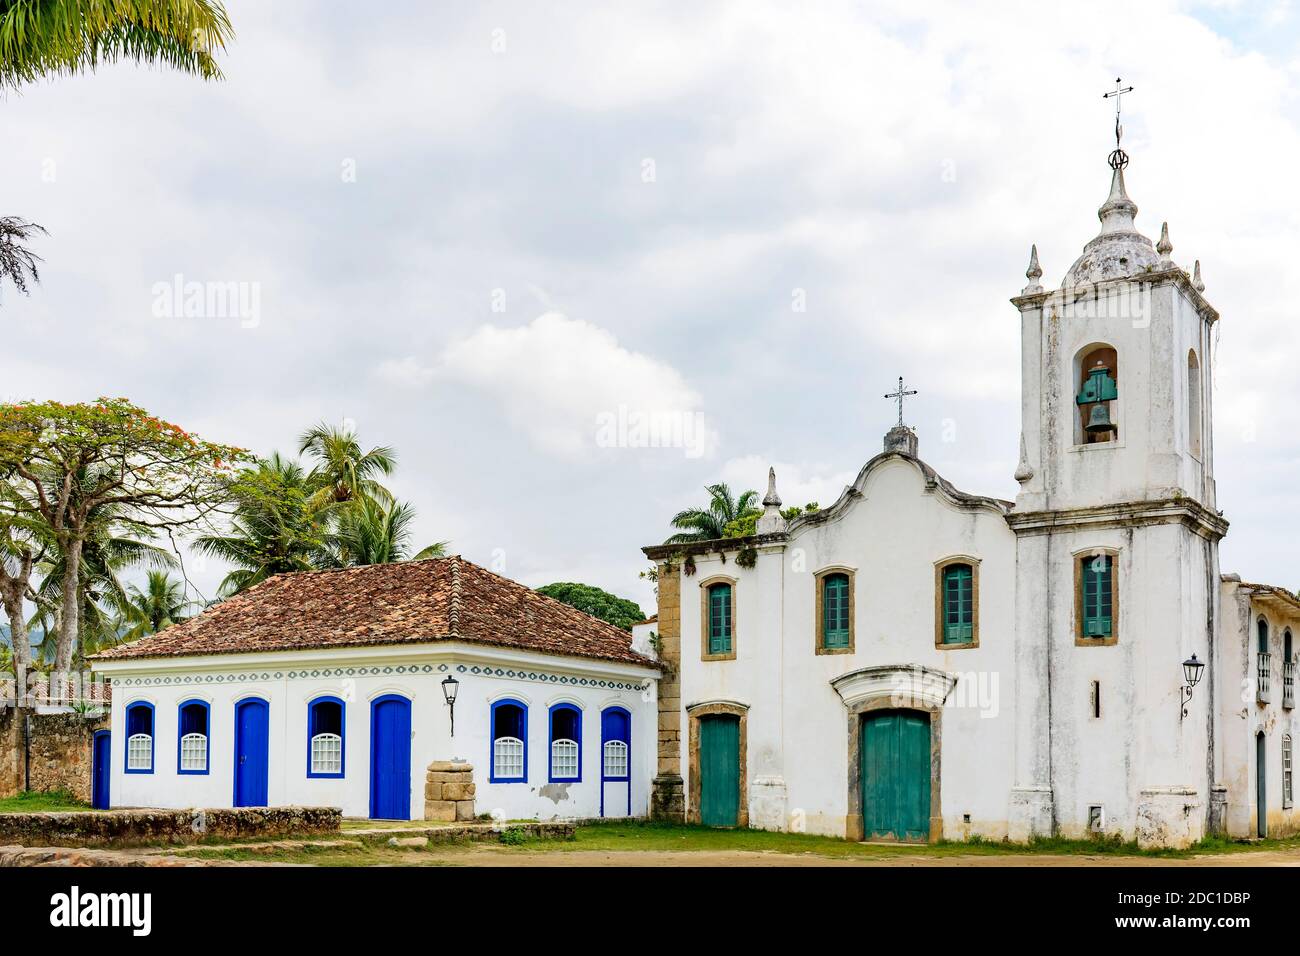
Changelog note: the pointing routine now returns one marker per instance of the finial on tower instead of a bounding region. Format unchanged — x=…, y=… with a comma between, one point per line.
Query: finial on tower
x=1033, y=273
x=1118, y=158
x=771, y=520
x=1197, y=282
x=1164, y=246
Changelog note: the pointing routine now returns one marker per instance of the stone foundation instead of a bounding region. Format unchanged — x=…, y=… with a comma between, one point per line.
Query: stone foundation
x=449, y=792
x=134, y=827
x=1169, y=817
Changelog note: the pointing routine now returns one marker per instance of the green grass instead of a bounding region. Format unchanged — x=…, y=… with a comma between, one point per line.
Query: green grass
x=31, y=801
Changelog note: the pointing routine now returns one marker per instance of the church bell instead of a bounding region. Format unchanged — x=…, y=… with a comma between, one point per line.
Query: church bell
x=1099, y=420
x=1097, y=391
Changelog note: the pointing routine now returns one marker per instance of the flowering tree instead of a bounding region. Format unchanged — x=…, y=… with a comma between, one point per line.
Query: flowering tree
x=66, y=461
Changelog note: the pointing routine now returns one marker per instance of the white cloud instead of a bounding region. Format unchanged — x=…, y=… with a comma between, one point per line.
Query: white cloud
x=404, y=372
x=566, y=382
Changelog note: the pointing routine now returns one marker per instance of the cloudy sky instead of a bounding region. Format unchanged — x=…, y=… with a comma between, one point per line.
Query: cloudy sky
x=486, y=233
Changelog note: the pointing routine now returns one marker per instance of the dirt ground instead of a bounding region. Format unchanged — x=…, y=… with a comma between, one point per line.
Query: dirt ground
x=497, y=856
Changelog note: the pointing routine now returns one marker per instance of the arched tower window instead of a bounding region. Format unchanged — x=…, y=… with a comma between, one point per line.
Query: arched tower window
x=1194, y=404
x=1098, y=389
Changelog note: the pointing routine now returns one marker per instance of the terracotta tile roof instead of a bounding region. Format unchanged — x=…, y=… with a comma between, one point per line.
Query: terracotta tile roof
x=409, y=602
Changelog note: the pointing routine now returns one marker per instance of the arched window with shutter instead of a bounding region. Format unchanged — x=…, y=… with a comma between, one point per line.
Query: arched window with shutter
x=566, y=744
x=509, y=742
x=139, y=738
x=325, y=737
x=193, y=748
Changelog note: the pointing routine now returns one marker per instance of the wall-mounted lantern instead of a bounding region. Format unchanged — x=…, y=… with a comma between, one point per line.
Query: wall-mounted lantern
x=449, y=687
x=1192, y=675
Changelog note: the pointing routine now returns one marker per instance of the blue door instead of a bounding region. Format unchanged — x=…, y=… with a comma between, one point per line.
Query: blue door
x=100, y=769
x=390, y=758
x=252, y=721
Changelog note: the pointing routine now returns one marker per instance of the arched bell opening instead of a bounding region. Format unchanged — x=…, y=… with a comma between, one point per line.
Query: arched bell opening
x=1097, y=376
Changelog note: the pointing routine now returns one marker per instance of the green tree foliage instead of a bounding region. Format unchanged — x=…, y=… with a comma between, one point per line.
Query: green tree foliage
x=160, y=603
x=69, y=462
x=41, y=38
x=278, y=525
x=710, y=522
x=744, y=527
x=371, y=532
x=342, y=471
x=592, y=600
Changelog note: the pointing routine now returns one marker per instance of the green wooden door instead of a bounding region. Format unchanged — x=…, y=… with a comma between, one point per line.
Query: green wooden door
x=719, y=771
x=895, y=760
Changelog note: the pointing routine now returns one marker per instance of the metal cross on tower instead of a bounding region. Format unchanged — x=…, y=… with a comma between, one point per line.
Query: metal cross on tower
x=1119, y=158
x=901, y=394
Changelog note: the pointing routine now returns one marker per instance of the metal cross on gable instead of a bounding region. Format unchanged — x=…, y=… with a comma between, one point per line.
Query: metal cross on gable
x=1118, y=158
x=901, y=394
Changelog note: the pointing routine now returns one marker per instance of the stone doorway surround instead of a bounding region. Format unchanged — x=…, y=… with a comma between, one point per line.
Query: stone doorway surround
x=710, y=708
x=892, y=687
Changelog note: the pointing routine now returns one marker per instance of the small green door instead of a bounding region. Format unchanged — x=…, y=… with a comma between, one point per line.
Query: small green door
x=719, y=771
x=895, y=758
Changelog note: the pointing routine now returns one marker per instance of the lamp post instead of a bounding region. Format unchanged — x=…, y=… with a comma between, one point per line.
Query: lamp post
x=449, y=687
x=1192, y=675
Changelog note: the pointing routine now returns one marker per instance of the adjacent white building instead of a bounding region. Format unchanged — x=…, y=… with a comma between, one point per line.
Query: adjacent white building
x=914, y=662
x=331, y=688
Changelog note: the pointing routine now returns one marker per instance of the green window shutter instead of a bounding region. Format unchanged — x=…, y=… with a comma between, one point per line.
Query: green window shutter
x=958, y=604
x=835, y=611
x=1097, y=611
x=720, y=619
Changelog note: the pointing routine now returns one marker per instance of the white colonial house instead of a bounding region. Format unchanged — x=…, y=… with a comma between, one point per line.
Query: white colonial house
x=332, y=688
x=917, y=663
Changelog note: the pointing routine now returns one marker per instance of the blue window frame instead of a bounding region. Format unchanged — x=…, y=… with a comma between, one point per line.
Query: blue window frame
x=566, y=744
x=193, y=742
x=326, y=737
x=139, y=738
x=616, y=752
x=508, y=761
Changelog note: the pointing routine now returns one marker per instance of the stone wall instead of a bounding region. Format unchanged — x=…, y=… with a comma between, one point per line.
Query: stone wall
x=449, y=792
x=667, y=800
x=134, y=827
x=58, y=751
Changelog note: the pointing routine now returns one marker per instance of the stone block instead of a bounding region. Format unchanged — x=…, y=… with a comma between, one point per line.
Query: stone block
x=464, y=810
x=441, y=811
x=456, y=791
x=433, y=791
x=450, y=766
x=442, y=776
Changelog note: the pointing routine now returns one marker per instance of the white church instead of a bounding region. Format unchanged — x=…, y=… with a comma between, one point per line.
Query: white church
x=912, y=663
x=918, y=663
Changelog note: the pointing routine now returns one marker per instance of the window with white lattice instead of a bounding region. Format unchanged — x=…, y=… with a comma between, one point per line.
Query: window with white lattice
x=193, y=751
x=325, y=737
x=509, y=731
x=615, y=743
x=615, y=759
x=566, y=743
x=139, y=738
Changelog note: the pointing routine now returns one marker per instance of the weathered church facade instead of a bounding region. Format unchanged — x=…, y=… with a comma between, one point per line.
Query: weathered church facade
x=916, y=663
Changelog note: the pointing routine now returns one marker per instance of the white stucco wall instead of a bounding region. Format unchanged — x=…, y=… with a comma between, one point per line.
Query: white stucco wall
x=891, y=533
x=359, y=675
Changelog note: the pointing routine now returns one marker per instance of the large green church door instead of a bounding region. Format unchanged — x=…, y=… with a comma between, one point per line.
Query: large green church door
x=896, y=775
x=719, y=771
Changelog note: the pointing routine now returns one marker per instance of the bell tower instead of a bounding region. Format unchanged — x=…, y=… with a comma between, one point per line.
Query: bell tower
x=1117, y=538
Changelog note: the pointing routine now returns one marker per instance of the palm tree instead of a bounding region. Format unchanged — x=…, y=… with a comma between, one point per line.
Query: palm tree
x=17, y=262
x=161, y=603
x=40, y=38
x=709, y=523
x=278, y=526
x=370, y=532
x=343, y=472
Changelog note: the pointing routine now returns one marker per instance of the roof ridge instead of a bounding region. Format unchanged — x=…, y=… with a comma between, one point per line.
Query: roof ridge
x=453, y=611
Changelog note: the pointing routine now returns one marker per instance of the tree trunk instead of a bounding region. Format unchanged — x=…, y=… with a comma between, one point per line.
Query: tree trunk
x=13, y=602
x=69, y=606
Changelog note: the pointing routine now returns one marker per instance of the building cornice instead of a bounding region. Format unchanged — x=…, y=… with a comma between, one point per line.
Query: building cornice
x=1174, y=275
x=1174, y=510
